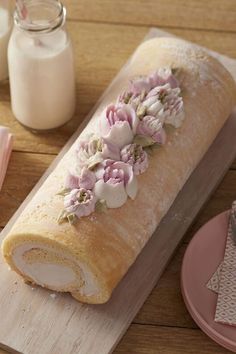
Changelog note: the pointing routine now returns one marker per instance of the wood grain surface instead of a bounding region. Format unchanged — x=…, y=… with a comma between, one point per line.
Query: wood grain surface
x=200, y=14
x=109, y=30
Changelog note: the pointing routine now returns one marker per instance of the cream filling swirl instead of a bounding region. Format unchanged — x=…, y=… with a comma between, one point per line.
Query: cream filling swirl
x=50, y=268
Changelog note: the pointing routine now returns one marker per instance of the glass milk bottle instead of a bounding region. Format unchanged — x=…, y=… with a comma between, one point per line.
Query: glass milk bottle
x=41, y=66
x=5, y=31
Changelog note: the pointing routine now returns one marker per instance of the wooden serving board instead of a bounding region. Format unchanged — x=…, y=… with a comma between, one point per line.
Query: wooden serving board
x=32, y=321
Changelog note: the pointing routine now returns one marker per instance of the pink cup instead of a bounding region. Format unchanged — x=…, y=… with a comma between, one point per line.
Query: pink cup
x=6, y=143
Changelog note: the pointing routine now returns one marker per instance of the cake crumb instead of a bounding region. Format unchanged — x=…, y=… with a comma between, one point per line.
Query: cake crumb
x=93, y=218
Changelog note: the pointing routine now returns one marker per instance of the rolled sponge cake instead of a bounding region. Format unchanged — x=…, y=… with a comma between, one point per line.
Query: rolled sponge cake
x=89, y=258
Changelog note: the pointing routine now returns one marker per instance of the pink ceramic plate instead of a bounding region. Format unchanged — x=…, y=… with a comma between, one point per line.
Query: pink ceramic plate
x=203, y=255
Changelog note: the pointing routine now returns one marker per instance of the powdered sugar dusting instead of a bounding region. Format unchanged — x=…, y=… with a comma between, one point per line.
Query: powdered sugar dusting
x=196, y=60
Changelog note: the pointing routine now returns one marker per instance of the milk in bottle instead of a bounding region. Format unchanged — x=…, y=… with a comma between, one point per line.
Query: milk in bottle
x=41, y=67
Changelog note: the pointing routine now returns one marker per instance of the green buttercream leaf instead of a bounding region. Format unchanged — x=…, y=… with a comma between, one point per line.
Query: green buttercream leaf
x=101, y=206
x=144, y=141
x=65, y=217
x=72, y=218
x=169, y=128
x=62, y=217
x=64, y=192
x=175, y=70
x=151, y=149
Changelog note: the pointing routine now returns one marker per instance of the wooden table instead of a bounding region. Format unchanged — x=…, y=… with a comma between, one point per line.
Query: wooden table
x=105, y=33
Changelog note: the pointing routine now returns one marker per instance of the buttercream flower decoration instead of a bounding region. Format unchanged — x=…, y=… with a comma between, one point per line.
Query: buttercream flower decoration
x=116, y=182
x=107, y=165
x=118, y=124
x=133, y=100
x=86, y=179
x=163, y=76
x=136, y=92
x=170, y=102
x=174, y=108
x=95, y=150
x=77, y=203
x=139, y=85
x=135, y=156
x=152, y=106
x=150, y=131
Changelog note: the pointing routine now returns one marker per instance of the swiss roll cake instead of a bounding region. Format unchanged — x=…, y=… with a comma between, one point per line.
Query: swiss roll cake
x=92, y=216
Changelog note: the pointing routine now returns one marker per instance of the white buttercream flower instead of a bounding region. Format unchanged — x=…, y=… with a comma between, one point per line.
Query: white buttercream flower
x=172, y=111
x=174, y=108
x=152, y=106
x=116, y=182
x=94, y=151
x=118, y=124
x=86, y=179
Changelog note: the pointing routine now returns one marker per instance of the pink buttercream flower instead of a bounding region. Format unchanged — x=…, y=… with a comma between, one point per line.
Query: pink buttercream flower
x=94, y=151
x=118, y=124
x=72, y=181
x=151, y=127
x=136, y=92
x=135, y=156
x=116, y=181
x=163, y=76
x=80, y=202
x=139, y=85
x=86, y=179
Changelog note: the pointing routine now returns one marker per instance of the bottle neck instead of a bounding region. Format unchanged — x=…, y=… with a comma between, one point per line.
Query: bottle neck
x=43, y=16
